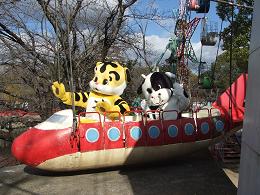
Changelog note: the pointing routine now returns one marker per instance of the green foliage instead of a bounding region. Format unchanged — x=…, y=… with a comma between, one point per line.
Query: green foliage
x=241, y=26
x=242, y=22
x=222, y=71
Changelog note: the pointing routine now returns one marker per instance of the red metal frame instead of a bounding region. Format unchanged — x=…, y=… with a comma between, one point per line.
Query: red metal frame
x=132, y=141
x=188, y=124
x=86, y=130
x=152, y=128
x=115, y=130
x=170, y=127
x=201, y=123
x=185, y=32
x=215, y=120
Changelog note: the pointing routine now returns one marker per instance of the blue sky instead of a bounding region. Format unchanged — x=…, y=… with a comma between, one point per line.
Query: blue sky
x=169, y=5
x=159, y=36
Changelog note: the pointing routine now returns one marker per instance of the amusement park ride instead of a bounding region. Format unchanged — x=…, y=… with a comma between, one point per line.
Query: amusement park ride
x=180, y=46
x=134, y=138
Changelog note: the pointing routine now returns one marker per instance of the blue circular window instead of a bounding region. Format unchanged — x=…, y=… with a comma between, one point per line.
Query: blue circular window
x=92, y=135
x=219, y=126
x=136, y=133
x=172, y=131
x=189, y=129
x=154, y=132
x=204, y=128
x=113, y=134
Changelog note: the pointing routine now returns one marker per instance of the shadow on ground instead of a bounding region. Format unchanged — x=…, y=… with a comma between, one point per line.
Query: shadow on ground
x=194, y=174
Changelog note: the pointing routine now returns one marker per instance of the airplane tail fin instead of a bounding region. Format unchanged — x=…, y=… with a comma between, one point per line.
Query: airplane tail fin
x=238, y=93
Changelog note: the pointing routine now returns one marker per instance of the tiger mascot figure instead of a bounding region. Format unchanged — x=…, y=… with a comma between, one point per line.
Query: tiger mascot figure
x=108, y=84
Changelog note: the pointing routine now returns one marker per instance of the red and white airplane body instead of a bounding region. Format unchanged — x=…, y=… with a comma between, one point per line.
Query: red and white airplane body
x=52, y=144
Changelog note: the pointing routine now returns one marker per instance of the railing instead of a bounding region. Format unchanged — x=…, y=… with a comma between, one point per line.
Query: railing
x=140, y=120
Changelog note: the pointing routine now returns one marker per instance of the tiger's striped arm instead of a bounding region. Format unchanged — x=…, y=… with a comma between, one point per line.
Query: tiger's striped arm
x=120, y=106
x=80, y=98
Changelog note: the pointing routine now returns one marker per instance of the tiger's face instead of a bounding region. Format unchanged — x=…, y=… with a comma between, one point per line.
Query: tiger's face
x=110, y=78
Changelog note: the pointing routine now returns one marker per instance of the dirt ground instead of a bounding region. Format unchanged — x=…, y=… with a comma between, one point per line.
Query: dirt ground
x=6, y=159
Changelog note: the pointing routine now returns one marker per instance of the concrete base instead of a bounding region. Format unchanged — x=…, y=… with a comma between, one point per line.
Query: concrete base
x=249, y=178
x=194, y=174
x=250, y=169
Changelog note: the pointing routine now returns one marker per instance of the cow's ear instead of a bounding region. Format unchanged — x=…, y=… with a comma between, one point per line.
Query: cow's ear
x=168, y=81
x=170, y=75
x=144, y=76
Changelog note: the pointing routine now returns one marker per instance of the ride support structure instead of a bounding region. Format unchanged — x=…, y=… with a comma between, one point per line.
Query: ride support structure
x=184, y=31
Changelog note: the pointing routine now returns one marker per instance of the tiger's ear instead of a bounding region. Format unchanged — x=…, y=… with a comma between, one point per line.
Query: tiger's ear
x=127, y=75
x=99, y=63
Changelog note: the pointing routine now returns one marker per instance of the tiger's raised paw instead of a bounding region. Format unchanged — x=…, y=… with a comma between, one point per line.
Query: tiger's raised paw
x=58, y=89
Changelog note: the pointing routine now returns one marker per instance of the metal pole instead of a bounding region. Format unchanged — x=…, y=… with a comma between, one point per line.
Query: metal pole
x=74, y=126
x=230, y=65
x=233, y=4
x=215, y=64
x=199, y=71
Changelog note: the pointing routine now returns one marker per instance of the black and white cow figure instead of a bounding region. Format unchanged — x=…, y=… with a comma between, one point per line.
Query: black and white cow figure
x=162, y=93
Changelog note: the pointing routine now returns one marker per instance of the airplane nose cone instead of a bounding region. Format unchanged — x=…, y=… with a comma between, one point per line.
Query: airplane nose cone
x=22, y=147
x=35, y=146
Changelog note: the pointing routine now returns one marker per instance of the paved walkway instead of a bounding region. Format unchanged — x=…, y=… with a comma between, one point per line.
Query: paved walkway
x=196, y=174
